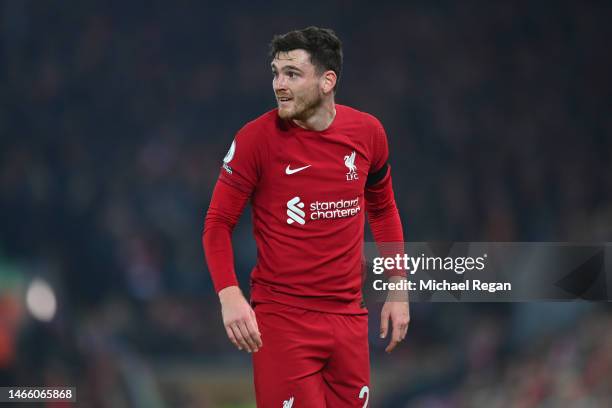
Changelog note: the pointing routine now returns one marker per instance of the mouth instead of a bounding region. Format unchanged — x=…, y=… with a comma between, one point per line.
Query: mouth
x=284, y=99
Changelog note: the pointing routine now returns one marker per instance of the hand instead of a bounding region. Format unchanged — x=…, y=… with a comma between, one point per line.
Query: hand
x=239, y=320
x=397, y=309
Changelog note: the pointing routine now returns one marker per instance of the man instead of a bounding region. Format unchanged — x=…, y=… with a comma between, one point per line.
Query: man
x=309, y=168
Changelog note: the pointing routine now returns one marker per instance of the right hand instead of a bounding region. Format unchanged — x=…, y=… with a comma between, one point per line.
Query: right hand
x=239, y=320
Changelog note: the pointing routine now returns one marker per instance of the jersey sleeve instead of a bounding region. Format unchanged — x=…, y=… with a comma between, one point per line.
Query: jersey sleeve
x=242, y=165
x=239, y=176
x=380, y=148
x=226, y=205
x=381, y=208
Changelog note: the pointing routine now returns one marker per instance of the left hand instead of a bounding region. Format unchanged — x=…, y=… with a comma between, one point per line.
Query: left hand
x=398, y=311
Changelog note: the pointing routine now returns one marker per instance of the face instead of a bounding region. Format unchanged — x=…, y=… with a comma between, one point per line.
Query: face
x=296, y=84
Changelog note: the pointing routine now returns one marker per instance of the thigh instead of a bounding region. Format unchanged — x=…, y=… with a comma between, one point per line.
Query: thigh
x=287, y=368
x=347, y=373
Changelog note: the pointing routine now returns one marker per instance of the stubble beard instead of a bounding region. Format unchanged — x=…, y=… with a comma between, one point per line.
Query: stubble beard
x=302, y=108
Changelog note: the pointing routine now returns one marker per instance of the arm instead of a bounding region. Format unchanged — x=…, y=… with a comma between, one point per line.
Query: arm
x=225, y=208
x=386, y=228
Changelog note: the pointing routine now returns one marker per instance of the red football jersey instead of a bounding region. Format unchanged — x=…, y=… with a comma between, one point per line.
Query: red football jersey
x=307, y=196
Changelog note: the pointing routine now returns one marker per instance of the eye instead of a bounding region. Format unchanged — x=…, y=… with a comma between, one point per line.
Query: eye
x=292, y=74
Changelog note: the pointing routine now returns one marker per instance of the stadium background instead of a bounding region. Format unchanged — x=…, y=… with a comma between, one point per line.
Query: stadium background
x=115, y=117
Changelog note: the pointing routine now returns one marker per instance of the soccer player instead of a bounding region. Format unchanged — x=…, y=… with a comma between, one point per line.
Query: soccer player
x=310, y=169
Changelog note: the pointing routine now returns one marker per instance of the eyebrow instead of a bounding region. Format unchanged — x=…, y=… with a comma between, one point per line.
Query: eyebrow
x=286, y=67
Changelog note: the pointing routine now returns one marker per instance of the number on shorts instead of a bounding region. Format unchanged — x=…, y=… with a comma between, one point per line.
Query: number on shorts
x=365, y=390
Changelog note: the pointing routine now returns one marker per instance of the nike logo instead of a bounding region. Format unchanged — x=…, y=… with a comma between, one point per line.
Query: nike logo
x=290, y=171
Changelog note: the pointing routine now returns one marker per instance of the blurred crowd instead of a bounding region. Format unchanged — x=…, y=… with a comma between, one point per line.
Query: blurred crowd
x=115, y=117
x=567, y=367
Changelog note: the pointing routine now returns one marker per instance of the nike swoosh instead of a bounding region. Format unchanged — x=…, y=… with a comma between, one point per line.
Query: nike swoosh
x=288, y=170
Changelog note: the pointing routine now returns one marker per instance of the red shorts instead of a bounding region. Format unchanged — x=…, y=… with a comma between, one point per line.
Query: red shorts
x=311, y=359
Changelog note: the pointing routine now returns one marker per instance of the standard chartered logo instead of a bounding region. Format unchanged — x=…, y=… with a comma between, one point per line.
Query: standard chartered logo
x=321, y=210
x=294, y=211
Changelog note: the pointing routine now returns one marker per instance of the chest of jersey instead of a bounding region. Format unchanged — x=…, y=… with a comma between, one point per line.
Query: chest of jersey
x=315, y=177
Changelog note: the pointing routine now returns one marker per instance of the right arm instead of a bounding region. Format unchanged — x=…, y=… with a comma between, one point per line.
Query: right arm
x=238, y=179
x=225, y=208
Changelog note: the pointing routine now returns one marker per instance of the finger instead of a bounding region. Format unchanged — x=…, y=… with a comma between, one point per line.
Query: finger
x=247, y=336
x=391, y=346
x=231, y=336
x=254, y=318
x=395, y=338
x=404, y=331
x=254, y=332
x=384, y=324
x=404, y=326
x=239, y=337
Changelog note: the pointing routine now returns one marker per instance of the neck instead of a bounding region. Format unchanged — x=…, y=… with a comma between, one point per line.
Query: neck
x=321, y=119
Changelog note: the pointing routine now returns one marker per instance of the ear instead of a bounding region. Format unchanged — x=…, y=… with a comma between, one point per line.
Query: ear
x=329, y=79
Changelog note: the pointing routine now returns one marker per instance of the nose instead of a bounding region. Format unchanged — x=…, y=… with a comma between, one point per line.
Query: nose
x=279, y=83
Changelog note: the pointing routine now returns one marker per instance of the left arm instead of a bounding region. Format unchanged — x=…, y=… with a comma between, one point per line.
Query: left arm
x=386, y=228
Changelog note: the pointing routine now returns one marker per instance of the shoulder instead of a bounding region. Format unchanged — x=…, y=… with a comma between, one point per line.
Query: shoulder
x=369, y=131
x=356, y=115
x=364, y=119
x=367, y=123
x=265, y=122
x=249, y=149
x=254, y=135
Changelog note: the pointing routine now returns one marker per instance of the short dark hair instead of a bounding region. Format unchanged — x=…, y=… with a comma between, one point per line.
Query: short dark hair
x=324, y=47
